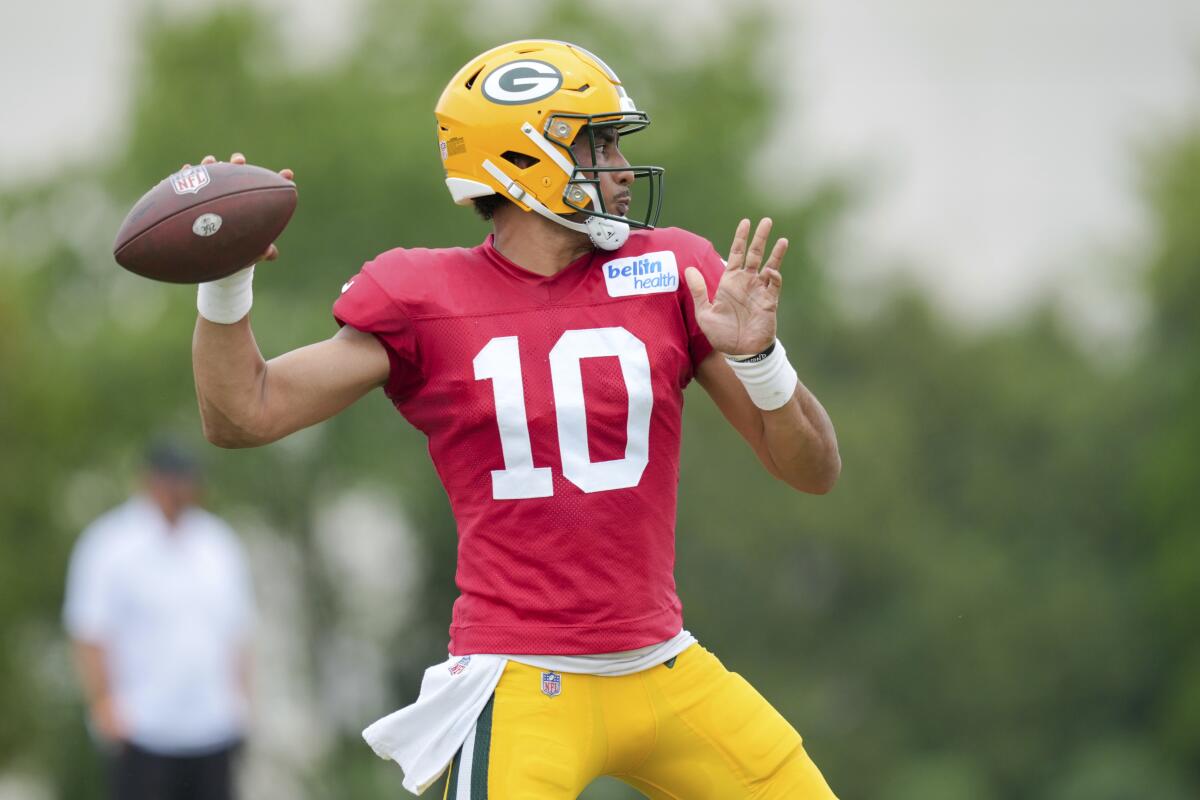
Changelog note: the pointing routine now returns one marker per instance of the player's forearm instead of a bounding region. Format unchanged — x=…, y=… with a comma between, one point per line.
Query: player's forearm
x=246, y=401
x=795, y=442
x=802, y=445
x=230, y=383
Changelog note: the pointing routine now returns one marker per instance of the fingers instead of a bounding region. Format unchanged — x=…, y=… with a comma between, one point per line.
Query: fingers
x=737, y=251
x=698, y=287
x=745, y=254
x=758, y=244
x=770, y=275
x=772, y=278
x=240, y=158
x=270, y=254
x=775, y=260
x=236, y=158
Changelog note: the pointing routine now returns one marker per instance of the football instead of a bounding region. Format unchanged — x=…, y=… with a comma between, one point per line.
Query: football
x=205, y=222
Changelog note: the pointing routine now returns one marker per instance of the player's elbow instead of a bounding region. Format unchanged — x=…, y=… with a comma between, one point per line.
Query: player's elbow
x=228, y=439
x=234, y=442
x=223, y=433
x=817, y=478
x=824, y=483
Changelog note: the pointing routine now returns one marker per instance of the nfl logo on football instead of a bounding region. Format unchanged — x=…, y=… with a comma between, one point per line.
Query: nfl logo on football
x=190, y=180
x=551, y=684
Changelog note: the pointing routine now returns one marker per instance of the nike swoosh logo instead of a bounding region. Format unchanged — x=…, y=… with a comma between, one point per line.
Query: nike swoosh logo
x=347, y=285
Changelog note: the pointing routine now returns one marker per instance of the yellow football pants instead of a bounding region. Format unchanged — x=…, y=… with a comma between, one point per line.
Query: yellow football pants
x=689, y=731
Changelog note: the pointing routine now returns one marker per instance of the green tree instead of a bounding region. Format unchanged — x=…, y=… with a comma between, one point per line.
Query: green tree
x=1169, y=408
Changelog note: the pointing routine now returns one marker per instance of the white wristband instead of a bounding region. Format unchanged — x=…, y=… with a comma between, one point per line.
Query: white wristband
x=770, y=382
x=227, y=300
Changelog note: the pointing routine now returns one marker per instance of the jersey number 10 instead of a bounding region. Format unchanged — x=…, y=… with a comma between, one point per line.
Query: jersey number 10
x=500, y=362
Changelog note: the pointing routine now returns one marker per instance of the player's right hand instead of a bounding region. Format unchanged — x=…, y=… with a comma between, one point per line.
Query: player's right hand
x=272, y=252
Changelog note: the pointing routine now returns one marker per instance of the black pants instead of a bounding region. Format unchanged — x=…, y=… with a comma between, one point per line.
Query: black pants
x=141, y=775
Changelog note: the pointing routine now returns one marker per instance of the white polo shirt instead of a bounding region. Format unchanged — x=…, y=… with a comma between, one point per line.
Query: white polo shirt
x=173, y=608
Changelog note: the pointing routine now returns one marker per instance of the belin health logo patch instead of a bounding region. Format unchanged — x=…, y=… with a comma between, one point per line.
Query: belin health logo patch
x=649, y=273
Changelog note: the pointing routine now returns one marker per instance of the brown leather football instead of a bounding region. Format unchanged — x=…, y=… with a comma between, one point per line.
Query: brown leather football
x=205, y=222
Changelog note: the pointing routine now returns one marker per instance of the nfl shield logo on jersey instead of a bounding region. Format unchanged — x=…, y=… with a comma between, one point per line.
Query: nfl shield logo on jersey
x=551, y=684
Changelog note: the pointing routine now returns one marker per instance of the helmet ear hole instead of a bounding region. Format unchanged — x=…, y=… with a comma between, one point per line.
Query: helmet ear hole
x=519, y=160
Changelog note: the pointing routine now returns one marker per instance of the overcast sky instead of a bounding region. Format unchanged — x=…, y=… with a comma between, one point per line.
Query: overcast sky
x=1000, y=135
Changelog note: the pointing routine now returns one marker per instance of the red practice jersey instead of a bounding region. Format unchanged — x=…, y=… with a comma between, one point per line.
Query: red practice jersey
x=553, y=408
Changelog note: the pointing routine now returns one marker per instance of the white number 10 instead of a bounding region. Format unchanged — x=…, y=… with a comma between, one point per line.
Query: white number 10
x=500, y=362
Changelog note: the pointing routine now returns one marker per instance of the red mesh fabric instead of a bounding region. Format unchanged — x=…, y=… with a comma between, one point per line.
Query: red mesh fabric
x=577, y=571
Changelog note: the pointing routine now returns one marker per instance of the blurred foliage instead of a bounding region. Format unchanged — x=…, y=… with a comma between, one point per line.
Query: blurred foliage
x=1168, y=416
x=995, y=602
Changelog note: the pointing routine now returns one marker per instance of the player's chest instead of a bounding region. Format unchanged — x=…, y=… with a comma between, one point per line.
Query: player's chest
x=607, y=354
x=586, y=324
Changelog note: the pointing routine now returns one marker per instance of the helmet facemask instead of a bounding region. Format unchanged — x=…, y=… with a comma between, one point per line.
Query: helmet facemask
x=583, y=191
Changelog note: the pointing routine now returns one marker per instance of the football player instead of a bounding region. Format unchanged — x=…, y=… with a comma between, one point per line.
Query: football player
x=547, y=366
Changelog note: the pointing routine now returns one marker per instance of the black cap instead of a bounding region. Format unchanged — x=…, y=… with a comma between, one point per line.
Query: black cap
x=166, y=457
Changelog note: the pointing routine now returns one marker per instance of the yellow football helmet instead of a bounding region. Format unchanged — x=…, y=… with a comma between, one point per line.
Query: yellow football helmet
x=532, y=98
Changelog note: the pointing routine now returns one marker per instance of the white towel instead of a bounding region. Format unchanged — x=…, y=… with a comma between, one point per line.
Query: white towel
x=423, y=737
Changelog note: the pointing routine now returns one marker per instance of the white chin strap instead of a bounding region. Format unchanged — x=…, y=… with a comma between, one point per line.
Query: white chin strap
x=607, y=234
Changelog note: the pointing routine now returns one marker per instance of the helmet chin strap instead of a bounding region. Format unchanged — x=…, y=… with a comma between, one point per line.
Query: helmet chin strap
x=604, y=233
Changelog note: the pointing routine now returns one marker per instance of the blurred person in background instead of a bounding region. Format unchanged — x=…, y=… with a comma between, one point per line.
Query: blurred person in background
x=159, y=608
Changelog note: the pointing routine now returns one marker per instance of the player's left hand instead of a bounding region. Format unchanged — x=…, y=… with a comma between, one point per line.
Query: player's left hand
x=740, y=319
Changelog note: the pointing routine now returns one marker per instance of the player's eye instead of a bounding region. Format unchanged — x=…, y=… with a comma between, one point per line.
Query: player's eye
x=604, y=140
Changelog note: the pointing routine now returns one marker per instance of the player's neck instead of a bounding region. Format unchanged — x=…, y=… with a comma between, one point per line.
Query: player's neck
x=537, y=244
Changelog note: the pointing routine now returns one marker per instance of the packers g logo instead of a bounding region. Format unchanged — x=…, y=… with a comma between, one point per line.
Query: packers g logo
x=520, y=82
